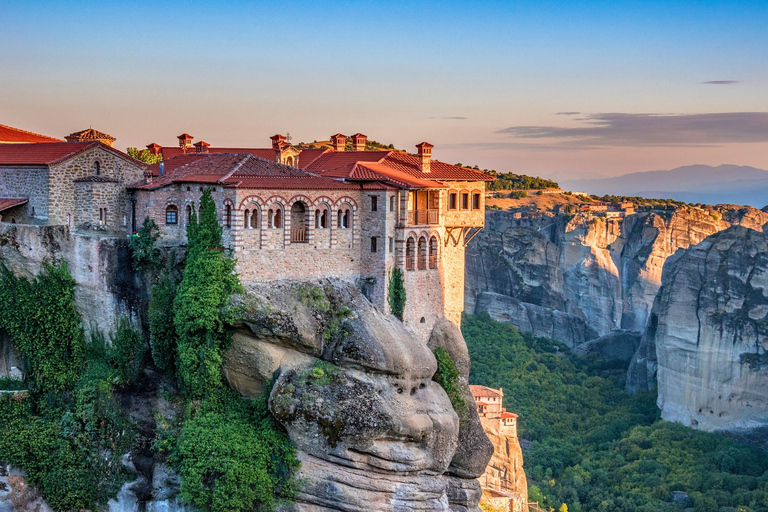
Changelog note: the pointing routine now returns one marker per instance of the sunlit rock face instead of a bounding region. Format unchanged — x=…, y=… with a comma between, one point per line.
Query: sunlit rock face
x=562, y=272
x=353, y=388
x=707, y=335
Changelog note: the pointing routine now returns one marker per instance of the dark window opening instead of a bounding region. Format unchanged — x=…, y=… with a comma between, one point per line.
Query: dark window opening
x=374, y=244
x=374, y=203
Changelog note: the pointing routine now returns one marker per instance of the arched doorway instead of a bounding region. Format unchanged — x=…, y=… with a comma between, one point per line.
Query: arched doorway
x=298, y=223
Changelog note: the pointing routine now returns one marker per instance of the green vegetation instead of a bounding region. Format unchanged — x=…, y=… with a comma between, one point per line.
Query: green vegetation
x=201, y=313
x=396, y=293
x=511, y=181
x=232, y=455
x=162, y=332
x=144, y=155
x=657, y=204
x=448, y=377
x=518, y=194
x=144, y=252
x=595, y=447
x=7, y=384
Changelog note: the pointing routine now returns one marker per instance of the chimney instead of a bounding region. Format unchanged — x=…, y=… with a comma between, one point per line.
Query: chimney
x=425, y=156
x=154, y=148
x=161, y=168
x=201, y=147
x=339, y=142
x=185, y=141
x=148, y=177
x=358, y=142
x=277, y=141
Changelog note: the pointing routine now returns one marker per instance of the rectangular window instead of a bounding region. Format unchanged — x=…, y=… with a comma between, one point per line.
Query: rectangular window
x=392, y=203
x=452, y=201
x=464, y=201
x=374, y=244
x=475, y=201
x=374, y=203
x=391, y=244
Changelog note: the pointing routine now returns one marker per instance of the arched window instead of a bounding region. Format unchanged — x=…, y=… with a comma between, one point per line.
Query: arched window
x=422, y=259
x=228, y=216
x=321, y=217
x=171, y=214
x=344, y=218
x=189, y=213
x=96, y=168
x=410, y=253
x=247, y=219
x=275, y=218
x=433, y=252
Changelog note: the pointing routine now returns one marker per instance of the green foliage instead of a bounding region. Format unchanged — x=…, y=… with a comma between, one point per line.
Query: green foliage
x=396, y=293
x=127, y=352
x=42, y=322
x=144, y=252
x=518, y=194
x=448, y=377
x=162, y=331
x=144, y=155
x=597, y=448
x=11, y=384
x=233, y=456
x=511, y=181
x=201, y=316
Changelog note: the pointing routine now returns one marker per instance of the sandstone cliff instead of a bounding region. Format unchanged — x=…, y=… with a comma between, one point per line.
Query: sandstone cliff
x=705, y=346
x=354, y=389
x=579, y=277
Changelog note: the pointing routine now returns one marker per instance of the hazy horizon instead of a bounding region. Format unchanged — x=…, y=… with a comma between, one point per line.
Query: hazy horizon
x=564, y=92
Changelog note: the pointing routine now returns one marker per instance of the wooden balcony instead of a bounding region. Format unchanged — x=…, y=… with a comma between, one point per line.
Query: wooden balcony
x=423, y=217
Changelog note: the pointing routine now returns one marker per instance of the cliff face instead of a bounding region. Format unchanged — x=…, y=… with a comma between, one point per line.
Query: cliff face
x=706, y=338
x=354, y=389
x=581, y=277
x=505, y=469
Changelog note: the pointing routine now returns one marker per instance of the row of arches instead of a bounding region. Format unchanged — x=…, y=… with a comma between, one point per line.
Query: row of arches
x=421, y=254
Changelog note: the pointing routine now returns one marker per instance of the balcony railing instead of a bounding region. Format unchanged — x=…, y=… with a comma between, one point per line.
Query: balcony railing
x=298, y=235
x=422, y=217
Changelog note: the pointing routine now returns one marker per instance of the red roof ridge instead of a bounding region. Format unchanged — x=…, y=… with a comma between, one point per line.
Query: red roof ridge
x=51, y=139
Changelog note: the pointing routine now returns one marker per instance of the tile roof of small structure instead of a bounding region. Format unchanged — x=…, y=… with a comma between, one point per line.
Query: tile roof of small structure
x=89, y=134
x=50, y=153
x=482, y=391
x=10, y=202
x=508, y=415
x=10, y=135
x=241, y=171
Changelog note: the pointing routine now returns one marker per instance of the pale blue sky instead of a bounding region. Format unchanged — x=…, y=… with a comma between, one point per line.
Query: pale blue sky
x=234, y=73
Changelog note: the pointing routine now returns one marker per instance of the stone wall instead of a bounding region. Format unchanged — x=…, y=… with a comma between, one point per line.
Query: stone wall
x=96, y=203
x=29, y=182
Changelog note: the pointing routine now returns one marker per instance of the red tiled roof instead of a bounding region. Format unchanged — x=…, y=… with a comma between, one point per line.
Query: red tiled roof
x=483, y=391
x=440, y=171
x=332, y=160
x=175, y=151
x=508, y=415
x=88, y=135
x=10, y=135
x=49, y=153
x=10, y=202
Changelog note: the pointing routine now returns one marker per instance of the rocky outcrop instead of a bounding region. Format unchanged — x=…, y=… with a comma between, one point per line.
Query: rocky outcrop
x=617, y=345
x=603, y=271
x=353, y=388
x=706, y=341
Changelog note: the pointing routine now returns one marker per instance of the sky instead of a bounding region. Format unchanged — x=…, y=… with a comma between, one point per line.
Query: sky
x=562, y=90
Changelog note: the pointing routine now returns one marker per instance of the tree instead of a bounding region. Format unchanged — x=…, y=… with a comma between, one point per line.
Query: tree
x=201, y=315
x=144, y=253
x=144, y=156
x=396, y=293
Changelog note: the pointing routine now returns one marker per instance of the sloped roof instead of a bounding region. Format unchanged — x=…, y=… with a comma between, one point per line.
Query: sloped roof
x=10, y=202
x=482, y=391
x=89, y=134
x=508, y=415
x=50, y=153
x=10, y=135
x=175, y=151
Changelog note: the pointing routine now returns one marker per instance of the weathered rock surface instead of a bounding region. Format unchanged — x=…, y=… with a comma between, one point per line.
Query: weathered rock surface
x=605, y=272
x=354, y=389
x=616, y=345
x=706, y=338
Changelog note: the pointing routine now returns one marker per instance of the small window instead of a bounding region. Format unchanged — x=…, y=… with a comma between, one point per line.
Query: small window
x=102, y=216
x=475, y=201
x=228, y=216
x=96, y=168
x=464, y=201
x=188, y=189
x=374, y=244
x=171, y=215
x=392, y=203
x=391, y=244
x=374, y=203
x=452, y=201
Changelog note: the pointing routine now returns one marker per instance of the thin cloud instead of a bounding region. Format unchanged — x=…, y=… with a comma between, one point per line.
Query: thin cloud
x=567, y=113
x=721, y=82
x=450, y=117
x=675, y=130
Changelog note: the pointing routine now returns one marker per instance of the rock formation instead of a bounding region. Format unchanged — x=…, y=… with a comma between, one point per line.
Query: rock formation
x=706, y=341
x=583, y=276
x=354, y=389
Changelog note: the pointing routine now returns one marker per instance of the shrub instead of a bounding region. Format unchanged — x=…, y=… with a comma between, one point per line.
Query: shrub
x=518, y=194
x=396, y=294
x=448, y=377
x=127, y=352
x=144, y=253
x=162, y=331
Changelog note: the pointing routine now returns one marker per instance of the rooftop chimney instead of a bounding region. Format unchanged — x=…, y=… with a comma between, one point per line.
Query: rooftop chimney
x=277, y=141
x=425, y=156
x=185, y=141
x=148, y=177
x=339, y=142
x=201, y=146
x=358, y=142
x=154, y=148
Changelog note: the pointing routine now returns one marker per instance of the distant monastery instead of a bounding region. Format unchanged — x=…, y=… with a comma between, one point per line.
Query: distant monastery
x=287, y=212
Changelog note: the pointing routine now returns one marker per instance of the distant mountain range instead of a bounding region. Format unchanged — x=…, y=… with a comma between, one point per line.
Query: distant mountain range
x=735, y=184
